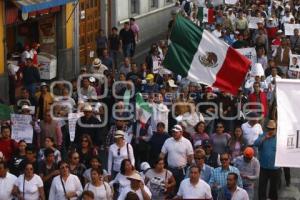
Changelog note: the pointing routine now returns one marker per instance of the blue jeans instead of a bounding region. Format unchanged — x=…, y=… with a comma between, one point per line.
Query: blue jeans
x=31, y=89
x=128, y=50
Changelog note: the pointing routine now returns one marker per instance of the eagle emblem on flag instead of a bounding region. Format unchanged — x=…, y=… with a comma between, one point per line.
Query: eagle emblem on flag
x=209, y=59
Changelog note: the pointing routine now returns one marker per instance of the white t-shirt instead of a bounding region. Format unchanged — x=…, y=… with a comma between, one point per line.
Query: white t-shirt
x=251, y=133
x=102, y=192
x=31, y=188
x=122, y=180
x=115, y=159
x=200, y=191
x=240, y=194
x=138, y=192
x=177, y=151
x=8, y=183
x=71, y=185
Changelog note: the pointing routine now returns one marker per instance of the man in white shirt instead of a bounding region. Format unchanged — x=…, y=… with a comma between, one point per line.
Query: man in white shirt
x=231, y=190
x=180, y=153
x=194, y=187
x=7, y=181
x=137, y=187
x=251, y=129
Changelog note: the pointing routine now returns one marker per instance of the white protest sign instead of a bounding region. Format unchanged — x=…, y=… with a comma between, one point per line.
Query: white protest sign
x=289, y=28
x=231, y=2
x=156, y=67
x=294, y=62
x=288, y=130
x=250, y=53
x=253, y=22
x=72, y=119
x=21, y=128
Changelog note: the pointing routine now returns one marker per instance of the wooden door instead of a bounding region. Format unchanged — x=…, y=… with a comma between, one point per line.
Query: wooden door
x=89, y=16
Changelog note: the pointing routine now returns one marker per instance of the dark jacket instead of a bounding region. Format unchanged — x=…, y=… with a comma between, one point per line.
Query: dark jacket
x=88, y=126
x=31, y=75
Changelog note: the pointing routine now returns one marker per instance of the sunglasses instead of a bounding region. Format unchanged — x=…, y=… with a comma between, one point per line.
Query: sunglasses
x=84, y=140
x=119, y=151
x=199, y=158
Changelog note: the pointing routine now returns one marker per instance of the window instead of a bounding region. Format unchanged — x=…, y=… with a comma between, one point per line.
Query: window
x=134, y=6
x=153, y=3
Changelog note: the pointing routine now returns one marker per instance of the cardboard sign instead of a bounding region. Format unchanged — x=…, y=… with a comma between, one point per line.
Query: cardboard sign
x=294, y=63
x=289, y=28
x=22, y=128
x=253, y=22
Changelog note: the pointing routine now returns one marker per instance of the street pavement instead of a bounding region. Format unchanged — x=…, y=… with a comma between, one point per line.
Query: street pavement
x=292, y=192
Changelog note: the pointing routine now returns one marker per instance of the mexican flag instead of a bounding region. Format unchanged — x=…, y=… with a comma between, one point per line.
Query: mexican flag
x=143, y=108
x=201, y=57
x=206, y=15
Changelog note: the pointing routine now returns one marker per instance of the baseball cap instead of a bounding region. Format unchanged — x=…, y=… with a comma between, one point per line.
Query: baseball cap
x=177, y=128
x=145, y=166
x=149, y=77
x=249, y=152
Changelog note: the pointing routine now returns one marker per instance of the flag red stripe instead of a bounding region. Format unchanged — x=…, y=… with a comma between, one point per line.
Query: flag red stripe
x=233, y=71
x=210, y=16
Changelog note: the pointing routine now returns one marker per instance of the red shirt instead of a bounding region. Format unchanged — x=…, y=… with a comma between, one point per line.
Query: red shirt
x=8, y=147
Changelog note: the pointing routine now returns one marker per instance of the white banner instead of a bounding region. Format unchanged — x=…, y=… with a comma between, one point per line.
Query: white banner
x=72, y=119
x=250, y=53
x=21, y=128
x=288, y=131
x=232, y=2
x=289, y=28
x=253, y=22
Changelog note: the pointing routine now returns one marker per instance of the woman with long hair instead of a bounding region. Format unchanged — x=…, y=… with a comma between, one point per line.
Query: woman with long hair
x=159, y=180
x=200, y=134
x=101, y=189
x=121, y=181
x=86, y=150
x=29, y=186
x=237, y=143
x=65, y=185
x=95, y=164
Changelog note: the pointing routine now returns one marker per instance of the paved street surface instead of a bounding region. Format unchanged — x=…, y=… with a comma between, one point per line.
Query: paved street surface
x=292, y=192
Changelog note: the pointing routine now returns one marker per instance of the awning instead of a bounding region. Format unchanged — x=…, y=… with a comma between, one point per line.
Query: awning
x=33, y=5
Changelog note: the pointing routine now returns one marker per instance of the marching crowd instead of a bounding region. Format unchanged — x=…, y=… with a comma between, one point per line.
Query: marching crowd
x=198, y=142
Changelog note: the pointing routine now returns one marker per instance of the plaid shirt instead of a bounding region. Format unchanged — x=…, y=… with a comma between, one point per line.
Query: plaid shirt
x=219, y=176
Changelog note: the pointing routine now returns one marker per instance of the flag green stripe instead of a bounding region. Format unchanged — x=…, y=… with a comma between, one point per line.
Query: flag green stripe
x=185, y=39
x=142, y=104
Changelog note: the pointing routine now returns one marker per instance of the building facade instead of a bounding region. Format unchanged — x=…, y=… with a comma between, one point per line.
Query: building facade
x=151, y=15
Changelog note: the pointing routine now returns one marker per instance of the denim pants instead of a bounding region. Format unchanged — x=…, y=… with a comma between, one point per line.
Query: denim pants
x=128, y=50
